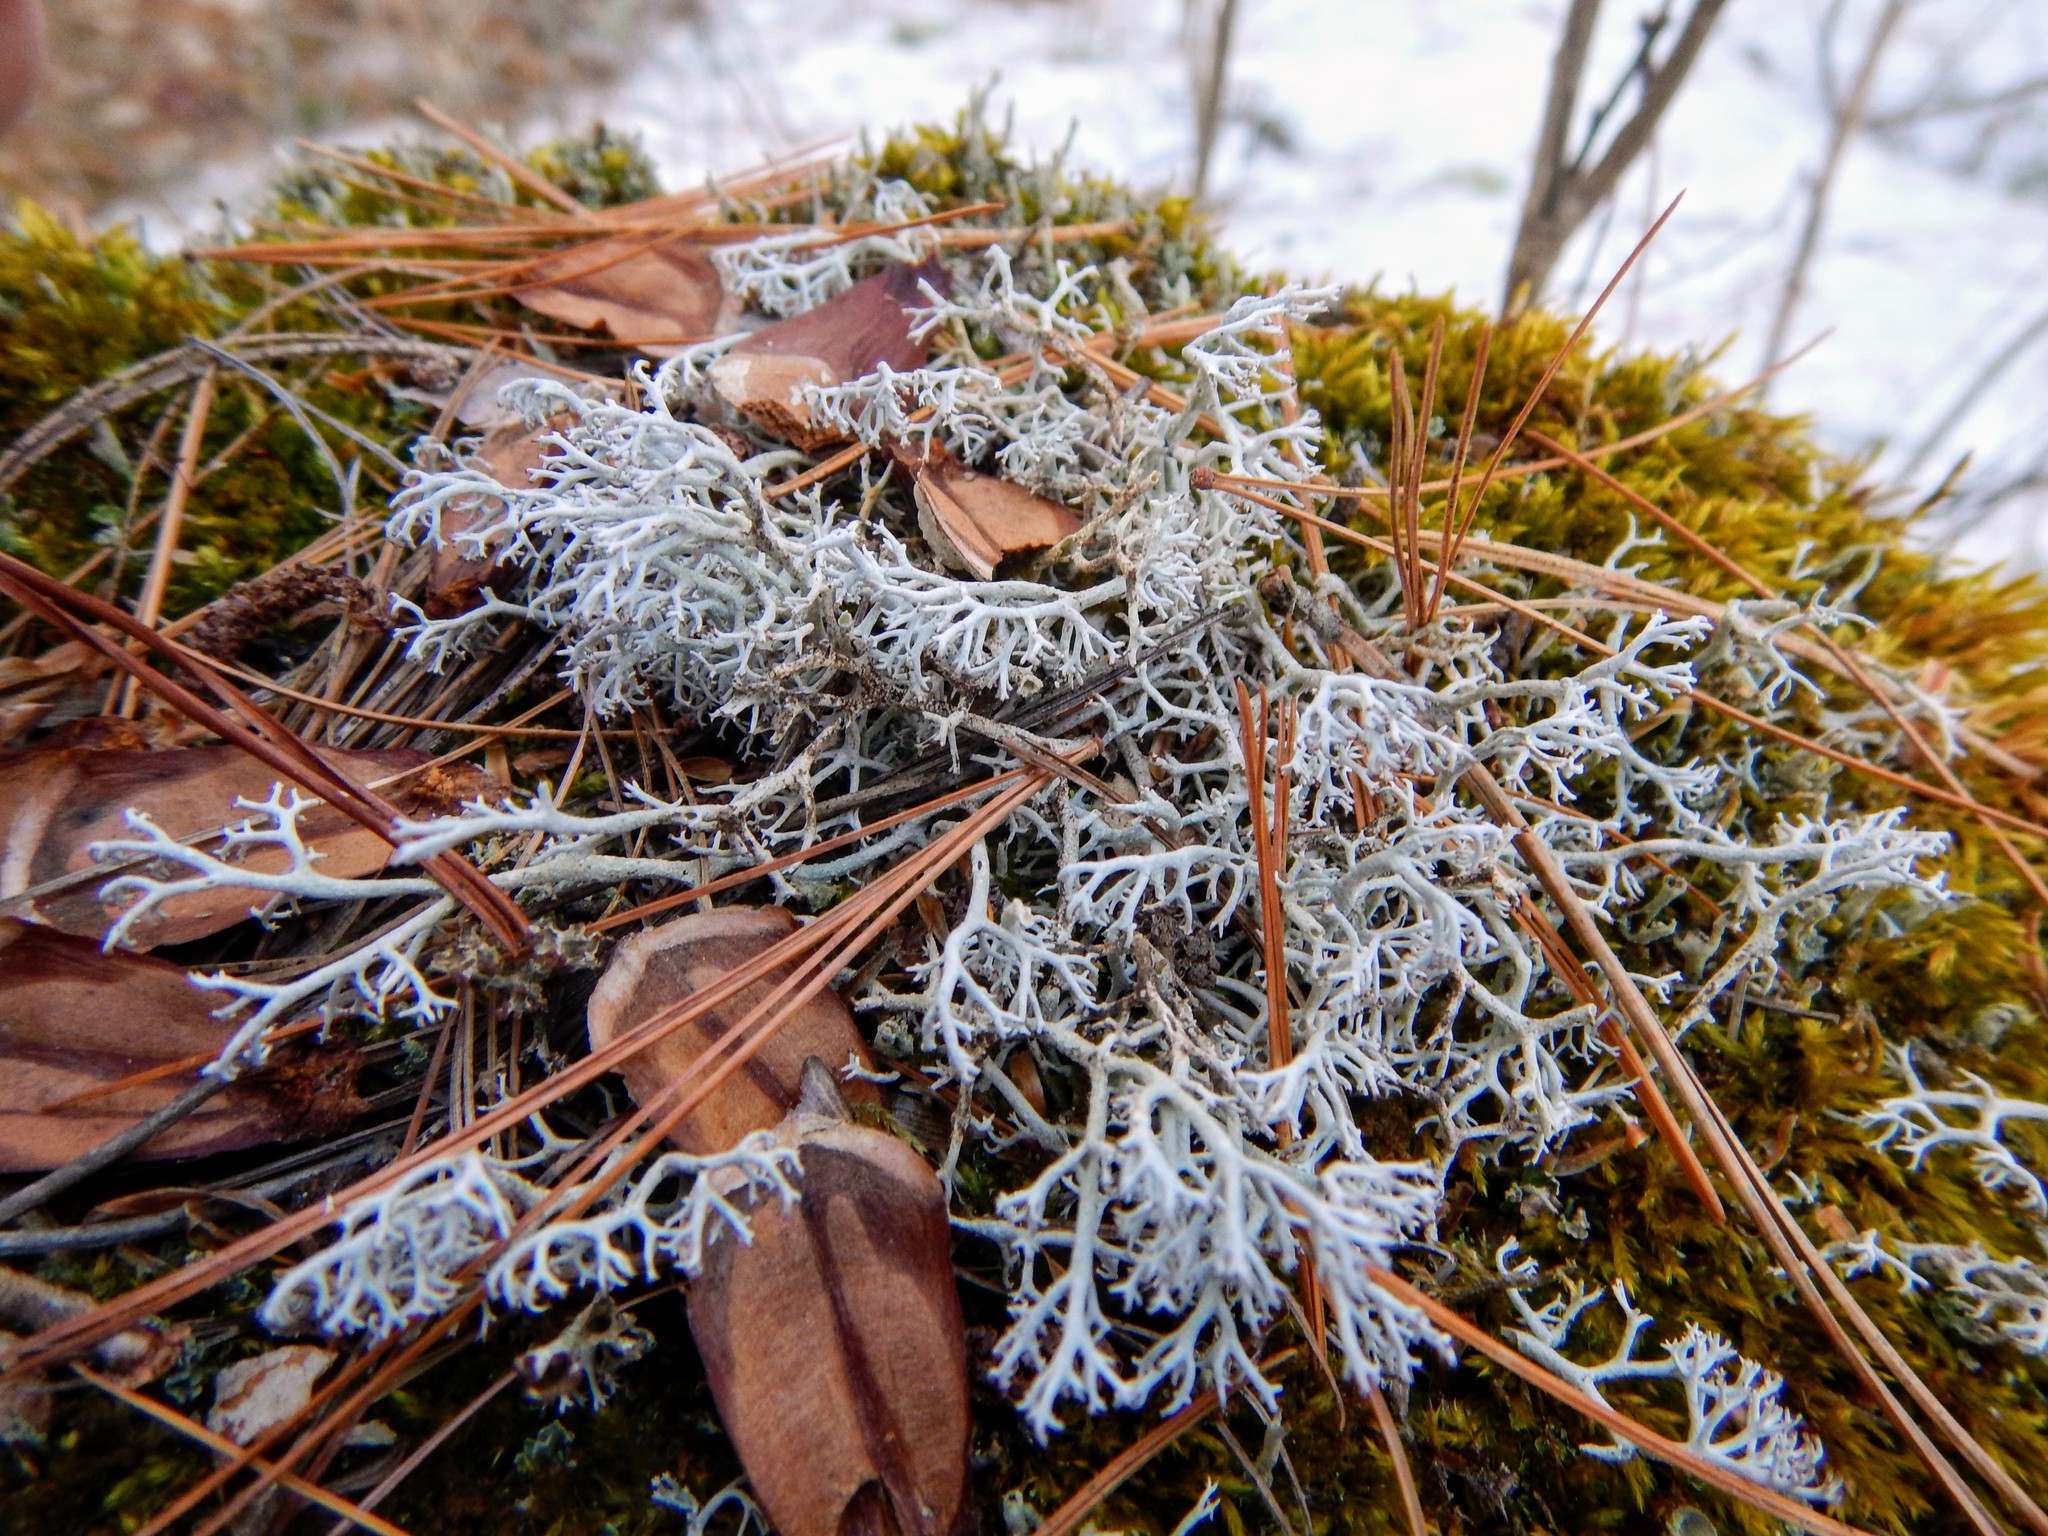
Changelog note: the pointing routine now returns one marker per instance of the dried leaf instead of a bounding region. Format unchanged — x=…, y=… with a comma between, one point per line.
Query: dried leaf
x=31, y=685
x=658, y=967
x=843, y=339
x=74, y=1017
x=55, y=802
x=455, y=581
x=252, y=1397
x=833, y=1340
x=656, y=298
x=976, y=522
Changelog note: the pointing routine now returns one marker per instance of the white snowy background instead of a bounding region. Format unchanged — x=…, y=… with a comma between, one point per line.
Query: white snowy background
x=1390, y=139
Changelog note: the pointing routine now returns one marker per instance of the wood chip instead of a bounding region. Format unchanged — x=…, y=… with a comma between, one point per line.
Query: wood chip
x=252, y=1397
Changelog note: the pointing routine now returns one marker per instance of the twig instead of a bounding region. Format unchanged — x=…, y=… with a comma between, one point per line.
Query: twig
x=1562, y=194
x=1212, y=71
x=1848, y=118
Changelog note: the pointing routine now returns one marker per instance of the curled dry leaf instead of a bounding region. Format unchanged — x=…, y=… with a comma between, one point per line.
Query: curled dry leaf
x=833, y=1340
x=843, y=339
x=510, y=455
x=74, y=1018
x=656, y=298
x=661, y=966
x=976, y=522
x=55, y=802
x=254, y=1396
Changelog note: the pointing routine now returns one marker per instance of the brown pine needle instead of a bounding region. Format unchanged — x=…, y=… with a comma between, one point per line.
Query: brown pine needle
x=1397, y=1453
x=1844, y=659
x=427, y=1447
x=1467, y=423
x=1647, y=1440
x=220, y=1445
x=1565, y=966
x=1456, y=535
x=63, y=1339
x=1329, y=490
x=1122, y=1466
x=256, y=733
x=1763, y=1205
x=520, y=172
x=170, y=523
x=1513, y=555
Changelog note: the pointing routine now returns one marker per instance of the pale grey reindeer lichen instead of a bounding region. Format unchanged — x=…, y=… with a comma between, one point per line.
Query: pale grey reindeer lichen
x=1924, y=1120
x=2003, y=1298
x=1735, y=1413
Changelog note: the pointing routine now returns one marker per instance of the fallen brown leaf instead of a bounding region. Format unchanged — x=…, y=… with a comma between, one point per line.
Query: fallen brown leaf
x=74, y=1018
x=656, y=298
x=30, y=685
x=833, y=1340
x=659, y=966
x=976, y=522
x=455, y=581
x=55, y=802
x=843, y=339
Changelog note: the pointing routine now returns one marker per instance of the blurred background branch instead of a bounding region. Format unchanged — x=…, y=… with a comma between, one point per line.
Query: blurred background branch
x=1564, y=192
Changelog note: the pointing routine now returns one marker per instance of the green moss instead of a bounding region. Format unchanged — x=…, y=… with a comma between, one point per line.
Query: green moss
x=76, y=310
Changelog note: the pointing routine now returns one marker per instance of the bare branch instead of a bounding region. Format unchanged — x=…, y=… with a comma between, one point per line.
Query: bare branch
x=1847, y=120
x=1562, y=194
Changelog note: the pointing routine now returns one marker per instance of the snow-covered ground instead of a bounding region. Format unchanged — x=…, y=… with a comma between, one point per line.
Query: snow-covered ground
x=1391, y=138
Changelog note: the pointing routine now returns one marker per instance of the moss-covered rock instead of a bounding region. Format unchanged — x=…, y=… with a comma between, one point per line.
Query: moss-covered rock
x=1965, y=981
